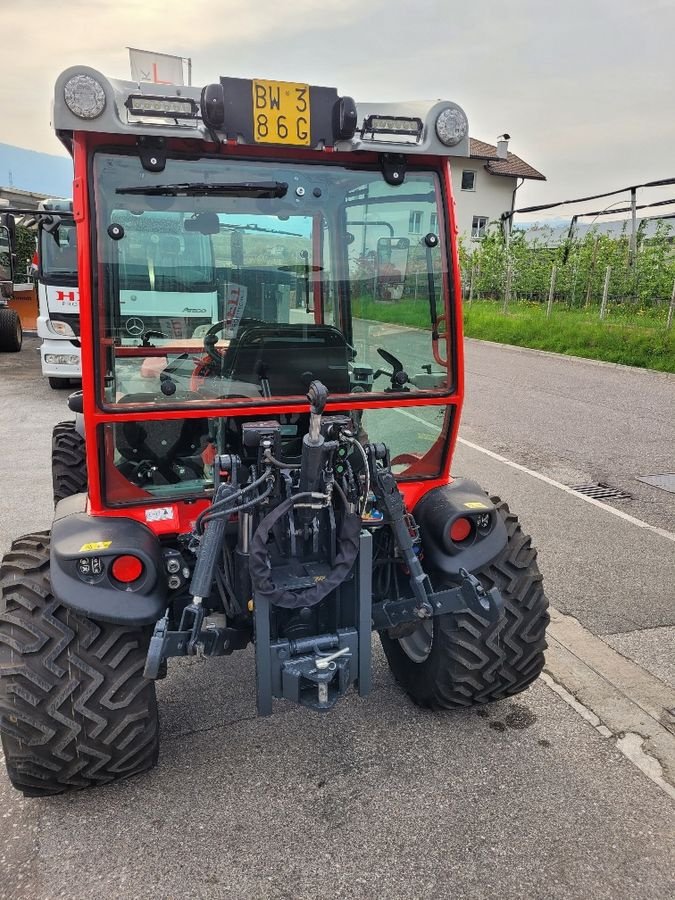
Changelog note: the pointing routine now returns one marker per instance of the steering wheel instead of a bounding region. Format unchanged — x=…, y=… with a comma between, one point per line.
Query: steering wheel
x=211, y=339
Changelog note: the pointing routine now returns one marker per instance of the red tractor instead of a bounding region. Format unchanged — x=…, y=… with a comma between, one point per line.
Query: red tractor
x=255, y=458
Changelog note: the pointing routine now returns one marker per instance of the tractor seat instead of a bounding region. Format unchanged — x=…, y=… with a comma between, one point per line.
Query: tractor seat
x=290, y=357
x=164, y=444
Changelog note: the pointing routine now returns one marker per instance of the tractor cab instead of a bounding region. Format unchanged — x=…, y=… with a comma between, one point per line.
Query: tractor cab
x=58, y=321
x=261, y=454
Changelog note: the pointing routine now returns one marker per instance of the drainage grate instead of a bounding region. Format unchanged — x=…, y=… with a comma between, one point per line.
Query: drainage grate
x=665, y=482
x=601, y=491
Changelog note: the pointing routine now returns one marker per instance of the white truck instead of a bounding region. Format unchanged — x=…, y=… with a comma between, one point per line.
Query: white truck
x=58, y=294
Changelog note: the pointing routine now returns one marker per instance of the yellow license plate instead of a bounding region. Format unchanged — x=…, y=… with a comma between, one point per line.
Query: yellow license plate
x=281, y=113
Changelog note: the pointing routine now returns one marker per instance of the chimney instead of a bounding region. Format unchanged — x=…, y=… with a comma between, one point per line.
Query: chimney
x=503, y=146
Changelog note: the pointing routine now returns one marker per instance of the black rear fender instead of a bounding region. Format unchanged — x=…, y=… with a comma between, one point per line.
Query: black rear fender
x=440, y=508
x=83, y=549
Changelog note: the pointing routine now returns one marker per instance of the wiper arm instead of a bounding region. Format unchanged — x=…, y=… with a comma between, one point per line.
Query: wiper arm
x=201, y=189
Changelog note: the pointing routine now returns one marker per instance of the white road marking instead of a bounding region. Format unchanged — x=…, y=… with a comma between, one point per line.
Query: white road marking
x=662, y=532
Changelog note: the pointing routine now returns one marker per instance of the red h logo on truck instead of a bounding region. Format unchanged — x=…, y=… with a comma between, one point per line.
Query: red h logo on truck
x=62, y=296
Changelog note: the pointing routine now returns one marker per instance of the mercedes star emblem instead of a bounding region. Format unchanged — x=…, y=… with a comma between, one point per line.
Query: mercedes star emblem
x=135, y=326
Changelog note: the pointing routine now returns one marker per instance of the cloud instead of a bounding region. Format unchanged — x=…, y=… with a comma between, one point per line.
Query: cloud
x=585, y=87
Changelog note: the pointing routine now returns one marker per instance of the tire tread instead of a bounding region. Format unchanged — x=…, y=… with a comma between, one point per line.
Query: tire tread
x=75, y=709
x=69, y=464
x=472, y=662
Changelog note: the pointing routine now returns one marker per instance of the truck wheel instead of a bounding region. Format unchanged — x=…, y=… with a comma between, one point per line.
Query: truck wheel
x=11, y=332
x=58, y=384
x=75, y=709
x=454, y=661
x=69, y=463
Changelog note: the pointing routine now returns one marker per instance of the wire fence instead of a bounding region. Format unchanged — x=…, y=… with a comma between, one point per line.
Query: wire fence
x=600, y=274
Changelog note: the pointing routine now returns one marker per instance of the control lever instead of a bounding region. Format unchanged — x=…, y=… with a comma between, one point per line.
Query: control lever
x=399, y=377
x=313, y=449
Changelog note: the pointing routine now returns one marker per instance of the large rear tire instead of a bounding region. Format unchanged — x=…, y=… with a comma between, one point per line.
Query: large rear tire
x=456, y=661
x=11, y=332
x=69, y=462
x=75, y=710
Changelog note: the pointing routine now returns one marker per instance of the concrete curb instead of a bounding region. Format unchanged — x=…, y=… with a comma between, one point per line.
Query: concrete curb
x=626, y=702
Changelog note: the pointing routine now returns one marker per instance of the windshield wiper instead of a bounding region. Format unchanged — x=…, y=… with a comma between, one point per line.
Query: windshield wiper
x=199, y=189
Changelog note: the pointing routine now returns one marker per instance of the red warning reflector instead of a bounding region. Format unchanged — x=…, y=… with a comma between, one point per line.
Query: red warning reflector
x=127, y=569
x=460, y=530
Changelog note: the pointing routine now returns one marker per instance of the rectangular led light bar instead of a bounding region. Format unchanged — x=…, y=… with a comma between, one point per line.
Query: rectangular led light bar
x=162, y=107
x=397, y=125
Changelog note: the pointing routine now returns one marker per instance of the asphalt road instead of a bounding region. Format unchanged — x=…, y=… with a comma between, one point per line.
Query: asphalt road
x=380, y=799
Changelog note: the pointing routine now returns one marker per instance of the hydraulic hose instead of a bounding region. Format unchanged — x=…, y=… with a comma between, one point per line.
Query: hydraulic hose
x=263, y=587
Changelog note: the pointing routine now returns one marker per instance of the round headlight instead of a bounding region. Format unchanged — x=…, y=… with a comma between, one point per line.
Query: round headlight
x=84, y=96
x=451, y=126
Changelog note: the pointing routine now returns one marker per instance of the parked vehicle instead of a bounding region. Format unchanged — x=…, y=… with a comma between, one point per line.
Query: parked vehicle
x=58, y=293
x=280, y=475
x=11, y=332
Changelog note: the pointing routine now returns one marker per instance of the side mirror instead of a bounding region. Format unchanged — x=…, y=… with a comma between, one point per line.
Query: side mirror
x=237, y=248
x=204, y=223
x=391, y=267
x=8, y=221
x=51, y=224
x=6, y=267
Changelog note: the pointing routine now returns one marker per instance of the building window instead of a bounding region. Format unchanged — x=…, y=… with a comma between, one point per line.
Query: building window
x=478, y=226
x=468, y=180
x=415, y=222
x=433, y=222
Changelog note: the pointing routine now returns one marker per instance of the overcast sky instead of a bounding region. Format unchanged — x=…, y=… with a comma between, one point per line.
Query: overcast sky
x=586, y=88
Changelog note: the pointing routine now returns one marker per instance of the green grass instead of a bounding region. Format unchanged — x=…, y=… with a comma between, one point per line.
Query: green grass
x=628, y=335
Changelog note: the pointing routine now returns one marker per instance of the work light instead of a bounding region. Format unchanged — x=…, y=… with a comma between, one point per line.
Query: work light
x=451, y=126
x=84, y=96
x=166, y=107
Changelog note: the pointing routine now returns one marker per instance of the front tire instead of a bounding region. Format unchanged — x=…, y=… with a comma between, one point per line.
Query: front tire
x=75, y=710
x=455, y=661
x=11, y=332
x=69, y=462
x=58, y=384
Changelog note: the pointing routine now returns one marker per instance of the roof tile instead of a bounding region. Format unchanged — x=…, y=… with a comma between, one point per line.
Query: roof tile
x=513, y=165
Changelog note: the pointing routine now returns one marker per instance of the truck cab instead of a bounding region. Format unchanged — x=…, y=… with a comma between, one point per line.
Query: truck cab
x=58, y=294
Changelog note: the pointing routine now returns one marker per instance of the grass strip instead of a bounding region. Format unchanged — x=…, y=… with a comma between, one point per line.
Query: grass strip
x=632, y=336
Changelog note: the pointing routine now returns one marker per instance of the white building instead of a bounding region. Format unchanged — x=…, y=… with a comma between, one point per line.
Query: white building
x=484, y=185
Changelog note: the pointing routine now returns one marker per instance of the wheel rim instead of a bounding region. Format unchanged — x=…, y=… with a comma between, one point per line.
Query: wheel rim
x=417, y=646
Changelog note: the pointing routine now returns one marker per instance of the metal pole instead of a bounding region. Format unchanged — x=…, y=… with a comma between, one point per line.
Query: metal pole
x=592, y=271
x=189, y=70
x=507, y=288
x=473, y=270
x=633, y=226
x=551, y=291
x=669, y=323
x=605, y=293
x=574, y=284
